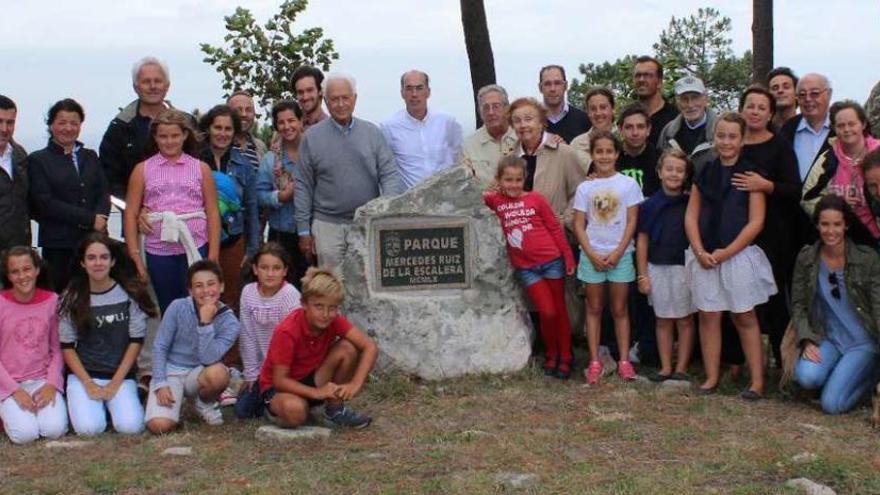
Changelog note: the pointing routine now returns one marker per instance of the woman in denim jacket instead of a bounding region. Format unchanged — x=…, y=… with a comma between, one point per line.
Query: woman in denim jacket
x=836, y=310
x=275, y=184
x=236, y=193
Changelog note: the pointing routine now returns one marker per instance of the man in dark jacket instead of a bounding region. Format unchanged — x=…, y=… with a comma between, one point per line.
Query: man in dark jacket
x=15, y=222
x=809, y=131
x=126, y=138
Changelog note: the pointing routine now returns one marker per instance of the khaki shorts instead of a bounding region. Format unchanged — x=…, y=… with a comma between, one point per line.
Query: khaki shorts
x=183, y=383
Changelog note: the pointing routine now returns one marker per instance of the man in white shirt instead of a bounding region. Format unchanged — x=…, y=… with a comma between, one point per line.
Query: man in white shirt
x=496, y=138
x=424, y=141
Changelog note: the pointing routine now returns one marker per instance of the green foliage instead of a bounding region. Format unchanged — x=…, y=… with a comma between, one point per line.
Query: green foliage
x=262, y=60
x=699, y=44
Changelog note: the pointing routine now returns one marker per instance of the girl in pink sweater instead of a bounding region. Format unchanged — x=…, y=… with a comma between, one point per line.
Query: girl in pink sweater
x=31, y=404
x=540, y=254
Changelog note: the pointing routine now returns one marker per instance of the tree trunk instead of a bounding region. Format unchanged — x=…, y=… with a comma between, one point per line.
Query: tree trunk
x=762, y=39
x=479, y=47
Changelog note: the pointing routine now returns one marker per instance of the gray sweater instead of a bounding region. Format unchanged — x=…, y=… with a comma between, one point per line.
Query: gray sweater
x=182, y=342
x=339, y=170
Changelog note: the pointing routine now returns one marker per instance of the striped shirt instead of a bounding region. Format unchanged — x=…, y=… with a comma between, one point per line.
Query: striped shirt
x=176, y=187
x=259, y=317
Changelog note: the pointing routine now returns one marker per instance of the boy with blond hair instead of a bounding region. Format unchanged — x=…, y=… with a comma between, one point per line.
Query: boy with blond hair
x=316, y=356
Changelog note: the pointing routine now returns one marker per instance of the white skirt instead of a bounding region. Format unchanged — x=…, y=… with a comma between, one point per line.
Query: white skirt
x=670, y=293
x=736, y=285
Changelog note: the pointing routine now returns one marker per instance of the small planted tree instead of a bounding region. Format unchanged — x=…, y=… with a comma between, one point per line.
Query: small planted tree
x=262, y=59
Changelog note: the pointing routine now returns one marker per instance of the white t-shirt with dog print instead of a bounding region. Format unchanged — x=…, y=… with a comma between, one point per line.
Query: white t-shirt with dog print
x=605, y=202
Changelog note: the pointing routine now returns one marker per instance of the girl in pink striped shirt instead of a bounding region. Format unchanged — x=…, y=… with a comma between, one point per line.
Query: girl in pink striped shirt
x=264, y=304
x=31, y=404
x=178, y=191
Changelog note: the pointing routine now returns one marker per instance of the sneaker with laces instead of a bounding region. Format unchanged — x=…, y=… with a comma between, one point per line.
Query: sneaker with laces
x=347, y=417
x=209, y=411
x=626, y=371
x=593, y=372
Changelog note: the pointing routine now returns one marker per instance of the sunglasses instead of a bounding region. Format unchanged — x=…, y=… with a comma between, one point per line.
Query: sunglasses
x=835, y=285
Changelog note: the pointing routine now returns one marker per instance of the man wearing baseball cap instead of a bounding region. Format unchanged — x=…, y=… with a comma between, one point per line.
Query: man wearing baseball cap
x=692, y=130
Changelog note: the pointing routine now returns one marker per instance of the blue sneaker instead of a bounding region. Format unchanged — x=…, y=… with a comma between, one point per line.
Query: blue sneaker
x=347, y=417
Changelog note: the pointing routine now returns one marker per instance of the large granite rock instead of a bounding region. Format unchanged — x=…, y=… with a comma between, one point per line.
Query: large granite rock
x=872, y=107
x=439, y=331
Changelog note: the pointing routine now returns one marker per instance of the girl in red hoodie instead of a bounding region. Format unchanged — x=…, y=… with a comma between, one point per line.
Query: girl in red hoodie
x=539, y=253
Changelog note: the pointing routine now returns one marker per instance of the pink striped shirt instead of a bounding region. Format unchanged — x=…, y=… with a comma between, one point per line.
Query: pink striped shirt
x=259, y=317
x=177, y=187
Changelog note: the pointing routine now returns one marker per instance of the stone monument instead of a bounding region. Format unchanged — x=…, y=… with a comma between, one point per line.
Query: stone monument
x=427, y=276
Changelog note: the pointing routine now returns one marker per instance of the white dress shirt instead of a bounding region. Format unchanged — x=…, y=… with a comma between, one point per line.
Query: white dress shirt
x=422, y=147
x=6, y=160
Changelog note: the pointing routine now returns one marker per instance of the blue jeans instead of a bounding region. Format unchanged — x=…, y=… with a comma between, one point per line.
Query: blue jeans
x=843, y=378
x=168, y=276
x=553, y=269
x=249, y=403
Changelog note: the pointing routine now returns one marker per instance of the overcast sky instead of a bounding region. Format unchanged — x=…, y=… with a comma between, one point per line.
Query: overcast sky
x=84, y=49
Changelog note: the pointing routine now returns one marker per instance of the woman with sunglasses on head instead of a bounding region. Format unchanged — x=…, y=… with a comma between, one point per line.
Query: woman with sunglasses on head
x=835, y=310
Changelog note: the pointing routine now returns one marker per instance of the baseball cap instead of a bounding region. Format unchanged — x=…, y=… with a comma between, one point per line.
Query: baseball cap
x=689, y=84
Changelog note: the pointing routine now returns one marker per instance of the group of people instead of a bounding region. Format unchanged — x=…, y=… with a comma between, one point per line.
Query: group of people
x=667, y=211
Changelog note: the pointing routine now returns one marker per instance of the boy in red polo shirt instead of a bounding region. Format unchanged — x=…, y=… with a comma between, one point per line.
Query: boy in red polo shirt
x=317, y=356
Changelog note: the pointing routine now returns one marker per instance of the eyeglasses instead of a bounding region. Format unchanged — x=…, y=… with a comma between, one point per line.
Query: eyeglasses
x=492, y=106
x=811, y=95
x=835, y=285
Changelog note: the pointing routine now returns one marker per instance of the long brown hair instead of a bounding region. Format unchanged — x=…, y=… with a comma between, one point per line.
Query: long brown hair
x=76, y=299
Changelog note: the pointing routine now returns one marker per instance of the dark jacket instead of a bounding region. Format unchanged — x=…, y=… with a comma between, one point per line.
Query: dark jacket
x=15, y=219
x=860, y=276
x=124, y=146
x=65, y=200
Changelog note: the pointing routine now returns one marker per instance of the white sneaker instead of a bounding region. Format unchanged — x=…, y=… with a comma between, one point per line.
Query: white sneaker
x=209, y=411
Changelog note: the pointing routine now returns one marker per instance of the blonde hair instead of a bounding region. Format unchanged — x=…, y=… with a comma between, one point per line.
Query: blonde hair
x=322, y=282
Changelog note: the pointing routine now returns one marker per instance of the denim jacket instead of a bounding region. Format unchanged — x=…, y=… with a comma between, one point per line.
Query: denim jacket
x=280, y=214
x=246, y=221
x=861, y=279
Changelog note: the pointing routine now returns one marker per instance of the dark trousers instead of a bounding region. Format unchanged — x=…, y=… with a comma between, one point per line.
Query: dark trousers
x=168, y=276
x=60, y=263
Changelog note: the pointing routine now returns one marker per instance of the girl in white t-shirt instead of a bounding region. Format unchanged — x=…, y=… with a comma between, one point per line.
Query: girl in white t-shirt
x=605, y=213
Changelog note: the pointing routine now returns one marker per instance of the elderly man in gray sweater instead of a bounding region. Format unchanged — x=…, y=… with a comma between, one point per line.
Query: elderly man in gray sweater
x=344, y=163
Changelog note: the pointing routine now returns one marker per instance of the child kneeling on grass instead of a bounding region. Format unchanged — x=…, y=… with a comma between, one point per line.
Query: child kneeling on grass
x=194, y=335
x=317, y=356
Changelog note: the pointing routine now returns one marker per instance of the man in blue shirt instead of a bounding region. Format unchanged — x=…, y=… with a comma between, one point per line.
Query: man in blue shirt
x=809, y=131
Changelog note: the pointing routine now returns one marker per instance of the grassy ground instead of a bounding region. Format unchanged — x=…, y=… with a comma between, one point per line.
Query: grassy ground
x=465, y=436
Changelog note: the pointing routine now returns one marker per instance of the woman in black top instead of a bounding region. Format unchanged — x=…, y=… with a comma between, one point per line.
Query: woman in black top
x=68, y=190
x=779, y=180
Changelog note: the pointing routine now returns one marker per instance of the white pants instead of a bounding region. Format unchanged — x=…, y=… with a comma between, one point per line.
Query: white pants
x=24, y=426
x=330, y=243
x=89, y=416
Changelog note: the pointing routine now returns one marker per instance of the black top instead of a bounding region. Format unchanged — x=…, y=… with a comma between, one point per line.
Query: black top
x=15, y=220
x=777, y=162
x=65, y=197
x=689, y=138
x=659, y=120
x=661, y=217
x=531, y=166
x=572, y=125
x=122, y=147
x=724, y=209
x=642, y=168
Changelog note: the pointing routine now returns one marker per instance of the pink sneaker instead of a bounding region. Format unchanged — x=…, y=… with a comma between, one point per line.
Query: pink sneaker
x=593, y=372
x=626, y=371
